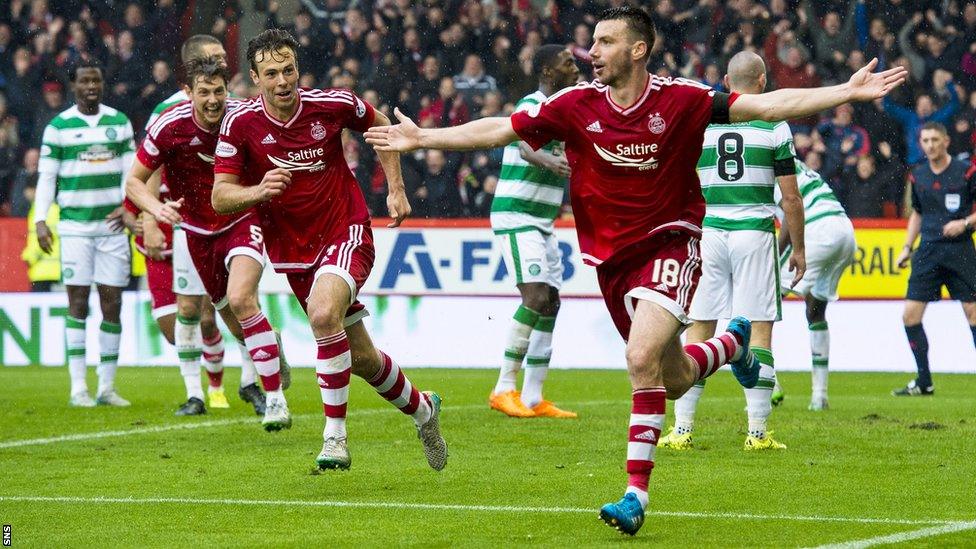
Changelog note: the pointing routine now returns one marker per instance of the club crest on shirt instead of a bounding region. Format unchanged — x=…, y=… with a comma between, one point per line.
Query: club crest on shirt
x=318, y=131
x=656, y=124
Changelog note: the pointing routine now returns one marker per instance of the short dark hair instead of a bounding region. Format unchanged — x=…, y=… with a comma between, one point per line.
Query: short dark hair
x=207, y=68
x=937, y=126
x=269, y=41
x=545, y=57
x=638, y=21
x=192, y=47
x=90, y=63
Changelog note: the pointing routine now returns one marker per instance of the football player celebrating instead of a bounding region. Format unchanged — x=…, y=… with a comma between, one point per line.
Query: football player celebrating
x=222, y=256
x=633, y=140
x=281, y=152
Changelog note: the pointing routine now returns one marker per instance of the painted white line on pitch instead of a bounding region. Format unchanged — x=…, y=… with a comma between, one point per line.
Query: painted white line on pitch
x=225, y=422
x=904, y=536
x=447, y=507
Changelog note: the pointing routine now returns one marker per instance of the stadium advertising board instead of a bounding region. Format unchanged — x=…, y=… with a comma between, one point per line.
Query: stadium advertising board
x=430, y=330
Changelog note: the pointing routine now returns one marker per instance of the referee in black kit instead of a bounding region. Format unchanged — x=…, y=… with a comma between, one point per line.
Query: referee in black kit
x=943, y=190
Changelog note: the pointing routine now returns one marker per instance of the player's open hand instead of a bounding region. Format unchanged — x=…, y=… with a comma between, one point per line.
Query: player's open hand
x=399, y=207
x=401, y=137
x=867, y=85
x=559, y=166
x=274, y=184
x=44, y=237
x=168, y=212
x=798, y=266
x=116, y=219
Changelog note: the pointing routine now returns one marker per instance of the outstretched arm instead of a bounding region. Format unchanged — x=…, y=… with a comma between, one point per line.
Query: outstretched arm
x=486, y=133
x=785, y=104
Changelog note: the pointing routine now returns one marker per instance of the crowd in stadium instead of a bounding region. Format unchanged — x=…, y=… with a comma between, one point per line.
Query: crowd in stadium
x=451, y=61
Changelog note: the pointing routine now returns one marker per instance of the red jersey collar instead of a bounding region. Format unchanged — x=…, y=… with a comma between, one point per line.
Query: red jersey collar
x=637, y=104
x=291, y=120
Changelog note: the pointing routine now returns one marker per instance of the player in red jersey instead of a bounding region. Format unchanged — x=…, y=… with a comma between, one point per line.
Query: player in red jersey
x=224, y=255
x=282, y=152
x=633, y=141
x=156, y=245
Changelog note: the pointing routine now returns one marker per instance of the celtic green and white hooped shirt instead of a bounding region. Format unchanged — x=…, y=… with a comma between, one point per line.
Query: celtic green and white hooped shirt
x=819, y=200
x=527, y=196
x=88, y=156
x=737, y=175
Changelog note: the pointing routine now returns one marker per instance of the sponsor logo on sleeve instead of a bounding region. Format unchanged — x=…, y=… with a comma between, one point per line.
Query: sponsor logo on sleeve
x=225, y=150
x=360, y=108
x=150, y=147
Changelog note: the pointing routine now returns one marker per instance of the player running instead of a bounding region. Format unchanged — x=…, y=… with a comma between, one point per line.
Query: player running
x=527, y=200
x=222, y=256
x=943, y=192
x=156, y=243
x=633, y=140
x=282, y=152
x=85, y=153
x=740, y=168
x=830, y=248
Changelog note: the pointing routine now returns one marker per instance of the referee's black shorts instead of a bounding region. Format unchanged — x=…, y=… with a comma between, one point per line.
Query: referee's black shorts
x=952, y=264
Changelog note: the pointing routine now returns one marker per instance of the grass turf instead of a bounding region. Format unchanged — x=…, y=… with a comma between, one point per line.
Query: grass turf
x=870, y=456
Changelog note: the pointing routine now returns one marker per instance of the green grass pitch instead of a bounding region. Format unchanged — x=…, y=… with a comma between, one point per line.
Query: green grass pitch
x=871, y=466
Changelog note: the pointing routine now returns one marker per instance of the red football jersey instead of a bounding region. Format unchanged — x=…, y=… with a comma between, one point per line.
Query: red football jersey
x=186, y=152
x=323, y=199
x=633, y=169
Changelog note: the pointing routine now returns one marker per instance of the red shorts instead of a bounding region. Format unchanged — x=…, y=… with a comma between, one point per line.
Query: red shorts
x=159, y=276
x=663, y=269
x=212, y=254
x=351, y=258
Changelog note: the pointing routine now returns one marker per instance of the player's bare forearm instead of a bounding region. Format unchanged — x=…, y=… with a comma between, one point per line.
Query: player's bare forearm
x=485, y=133
x=788, y=103
x=783, y=238
x=228, y=196
x=538, y=158
x=389, y=160
x=137, y=187
x=792, y=205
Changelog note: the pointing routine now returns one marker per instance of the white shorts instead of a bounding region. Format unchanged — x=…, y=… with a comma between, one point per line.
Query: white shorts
x=105, y=260
x=740, y=276
x=533, y=256
x=186, y=279
x=830, y=248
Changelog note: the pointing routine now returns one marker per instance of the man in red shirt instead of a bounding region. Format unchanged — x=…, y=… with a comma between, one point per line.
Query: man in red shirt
x=281, y=153
x=224, y=255
x=633, y=141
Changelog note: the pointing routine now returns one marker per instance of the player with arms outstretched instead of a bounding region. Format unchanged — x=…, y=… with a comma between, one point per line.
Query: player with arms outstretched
x=633, y=140
x=222, y=255
x=527, y=200
x=282, y=152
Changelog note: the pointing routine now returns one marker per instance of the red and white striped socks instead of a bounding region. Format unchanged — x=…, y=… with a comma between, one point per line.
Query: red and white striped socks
x=393, y=385
x=711, y=354
x=213, y=359
x=646, y=420
x=263, y=348
x=332, y=369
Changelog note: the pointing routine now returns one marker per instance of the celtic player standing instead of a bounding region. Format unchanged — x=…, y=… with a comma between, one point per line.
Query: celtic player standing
x=85, y=154
x=527, y=200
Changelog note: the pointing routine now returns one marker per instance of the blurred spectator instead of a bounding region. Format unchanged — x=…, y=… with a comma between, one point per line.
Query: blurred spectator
x=843, y=138
x=474, y=82
x=25, y=181
x=912, y=121
x=860, y=191
x=438, y=194
x=53, y=102
x=162, y=86
x=127, y=73
x=832, y=37
x=447, y=110
x=788, y=63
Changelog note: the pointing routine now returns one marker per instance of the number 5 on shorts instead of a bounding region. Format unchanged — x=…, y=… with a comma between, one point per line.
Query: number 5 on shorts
x=257, y=237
